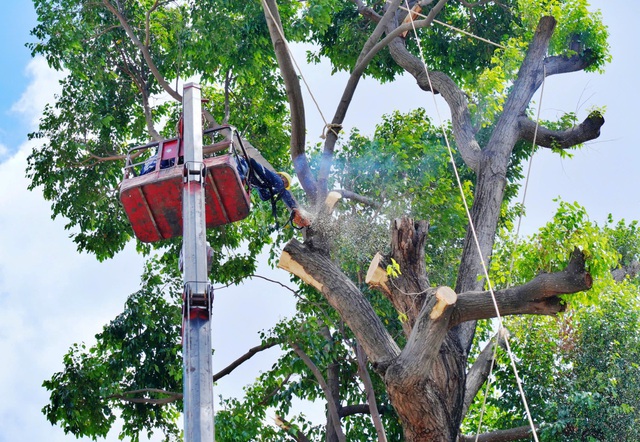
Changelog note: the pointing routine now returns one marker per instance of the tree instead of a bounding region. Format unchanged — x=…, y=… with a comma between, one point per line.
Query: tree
x=416, y=333
x=579, y=369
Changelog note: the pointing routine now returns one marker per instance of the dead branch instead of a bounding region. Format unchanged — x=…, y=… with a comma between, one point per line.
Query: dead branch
x=244, y=358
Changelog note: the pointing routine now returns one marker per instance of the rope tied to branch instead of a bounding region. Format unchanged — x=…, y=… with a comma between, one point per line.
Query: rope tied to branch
x=335, y=128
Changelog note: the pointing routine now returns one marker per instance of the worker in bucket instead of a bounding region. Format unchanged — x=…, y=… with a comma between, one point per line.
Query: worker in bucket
x=271, y=185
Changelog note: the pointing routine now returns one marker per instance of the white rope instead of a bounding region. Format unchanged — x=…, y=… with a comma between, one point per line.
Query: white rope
x=475, y=237
x=446, y=25
x=486, y=390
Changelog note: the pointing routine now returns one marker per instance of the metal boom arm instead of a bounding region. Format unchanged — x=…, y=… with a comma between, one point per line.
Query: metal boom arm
x=197, y=297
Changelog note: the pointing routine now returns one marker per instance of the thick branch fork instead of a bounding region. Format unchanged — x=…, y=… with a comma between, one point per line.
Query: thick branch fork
x=442, y=310
x=416, y=376
x=316, y=269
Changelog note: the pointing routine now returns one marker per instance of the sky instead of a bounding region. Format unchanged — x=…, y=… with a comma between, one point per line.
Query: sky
x=51, y=296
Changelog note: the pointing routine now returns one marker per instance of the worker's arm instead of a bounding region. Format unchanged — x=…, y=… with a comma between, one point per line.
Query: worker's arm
x=252, y=152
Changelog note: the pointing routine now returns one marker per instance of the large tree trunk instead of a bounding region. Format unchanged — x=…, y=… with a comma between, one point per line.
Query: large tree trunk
x=429, y=406
x=426, y=379
x=430, y=409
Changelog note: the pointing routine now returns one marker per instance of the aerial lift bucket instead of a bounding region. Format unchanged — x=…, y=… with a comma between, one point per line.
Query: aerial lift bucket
x=153, y=201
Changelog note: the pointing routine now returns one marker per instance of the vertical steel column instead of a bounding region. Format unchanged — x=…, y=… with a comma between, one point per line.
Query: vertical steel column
x=196, y=346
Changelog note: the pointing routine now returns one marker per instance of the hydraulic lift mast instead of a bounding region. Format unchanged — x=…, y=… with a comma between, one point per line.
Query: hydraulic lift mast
x=198, y=294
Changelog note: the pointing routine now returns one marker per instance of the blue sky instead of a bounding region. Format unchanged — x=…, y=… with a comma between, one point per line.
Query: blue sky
x=51, y=296
x=17, y=20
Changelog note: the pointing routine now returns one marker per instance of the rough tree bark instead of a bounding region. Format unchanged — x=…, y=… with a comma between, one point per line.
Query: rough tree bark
x=426, y=379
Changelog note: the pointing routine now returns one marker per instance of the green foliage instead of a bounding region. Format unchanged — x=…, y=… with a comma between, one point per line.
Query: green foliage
x=579, y=370
x=393, y=269
x=138, y=350
x=320, y=334
x=549, y=251
x=578, y=32
x=100, y=113
x=406, y=157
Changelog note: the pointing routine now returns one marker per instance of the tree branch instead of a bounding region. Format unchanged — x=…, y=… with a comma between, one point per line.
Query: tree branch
x=147, y=23
x=366, y=54
x=336, y=195
x=331, y=405
x=140, y=84
x=314, y=268
x=588, y=130
x=561, y=65
x=295, y=433
x=438, y=82
x=333, y=381
x=423, y=346
x=144, y=50
x=244, y=358
x=512, y=434
x=479, y=371
x=393, y=32
x=630, y=271
x=371, y=395
x=148, y=116
x=349, y=410
x=529, y=79
x=294, y=96
x=366, y=11
x=540, y=296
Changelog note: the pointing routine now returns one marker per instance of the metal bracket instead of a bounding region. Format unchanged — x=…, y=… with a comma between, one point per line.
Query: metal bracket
x=191, y=170
x=197, y=303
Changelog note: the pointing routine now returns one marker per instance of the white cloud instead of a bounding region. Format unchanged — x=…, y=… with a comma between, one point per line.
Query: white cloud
x=45, y=83
x=51, y=296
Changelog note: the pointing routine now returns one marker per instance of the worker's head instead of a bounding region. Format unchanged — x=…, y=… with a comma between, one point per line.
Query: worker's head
x=286, y=178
